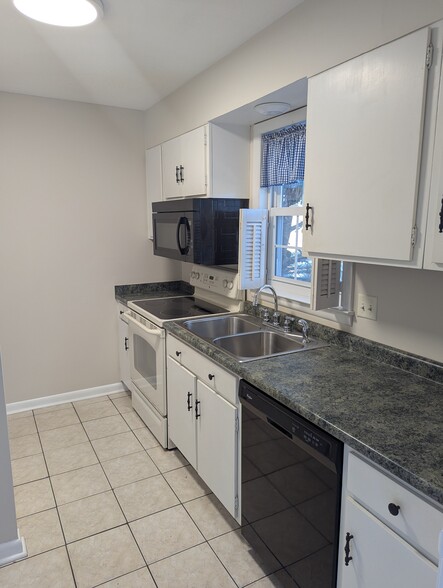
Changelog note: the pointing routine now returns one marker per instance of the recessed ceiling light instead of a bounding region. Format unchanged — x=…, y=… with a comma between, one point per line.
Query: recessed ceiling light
x=272, y=108
x=63, y=13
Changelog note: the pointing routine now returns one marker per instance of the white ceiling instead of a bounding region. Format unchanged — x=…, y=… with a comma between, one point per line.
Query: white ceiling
x=140, y=52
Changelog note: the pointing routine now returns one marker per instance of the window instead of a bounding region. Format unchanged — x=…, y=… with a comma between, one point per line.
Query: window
x=277, y=184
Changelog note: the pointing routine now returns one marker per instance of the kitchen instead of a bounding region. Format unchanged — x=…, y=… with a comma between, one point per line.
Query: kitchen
x=87, y=210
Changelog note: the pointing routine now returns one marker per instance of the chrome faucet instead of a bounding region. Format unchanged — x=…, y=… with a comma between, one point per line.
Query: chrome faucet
x=276, y=314
x=305, y=328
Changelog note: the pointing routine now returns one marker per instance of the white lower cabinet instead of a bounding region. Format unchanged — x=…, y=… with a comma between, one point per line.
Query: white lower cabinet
x=389, y=534
x=123, y=347
x=203, y=422
x=182, y=388
x=380, y=558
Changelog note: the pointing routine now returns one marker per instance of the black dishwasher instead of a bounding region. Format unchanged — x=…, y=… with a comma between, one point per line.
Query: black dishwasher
x=291, y=489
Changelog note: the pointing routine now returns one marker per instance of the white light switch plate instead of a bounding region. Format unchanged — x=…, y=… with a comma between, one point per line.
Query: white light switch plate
x=367, y=306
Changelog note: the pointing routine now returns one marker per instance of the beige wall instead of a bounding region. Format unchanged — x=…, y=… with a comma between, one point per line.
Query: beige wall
x=314, y=36
x=72, y=225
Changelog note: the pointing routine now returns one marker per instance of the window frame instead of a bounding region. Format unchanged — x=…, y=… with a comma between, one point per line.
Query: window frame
x=294, y=296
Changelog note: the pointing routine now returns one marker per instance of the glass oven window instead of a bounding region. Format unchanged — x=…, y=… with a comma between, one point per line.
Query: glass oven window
x=145, y=360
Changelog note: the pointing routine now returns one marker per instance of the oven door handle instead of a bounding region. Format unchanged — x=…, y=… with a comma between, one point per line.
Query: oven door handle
x=183, y=221
x=151, y=330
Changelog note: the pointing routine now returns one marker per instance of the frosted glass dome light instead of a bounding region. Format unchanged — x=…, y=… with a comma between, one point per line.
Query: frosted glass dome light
x=63, y=13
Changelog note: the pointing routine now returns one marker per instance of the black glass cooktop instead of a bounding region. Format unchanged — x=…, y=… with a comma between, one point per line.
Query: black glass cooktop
x=179, y=307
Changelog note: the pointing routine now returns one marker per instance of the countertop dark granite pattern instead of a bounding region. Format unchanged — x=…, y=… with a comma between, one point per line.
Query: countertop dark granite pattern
x=125, y=293
x=391, y=416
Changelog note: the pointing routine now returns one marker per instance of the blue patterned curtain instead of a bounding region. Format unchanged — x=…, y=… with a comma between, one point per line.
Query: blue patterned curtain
x=283, y=156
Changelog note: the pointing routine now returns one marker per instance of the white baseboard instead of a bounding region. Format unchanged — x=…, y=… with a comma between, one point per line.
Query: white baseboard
x=13, y=550
x=33, y=403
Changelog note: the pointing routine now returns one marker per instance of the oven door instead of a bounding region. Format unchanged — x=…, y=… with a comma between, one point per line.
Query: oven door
x=147, y=361
x=174, y=235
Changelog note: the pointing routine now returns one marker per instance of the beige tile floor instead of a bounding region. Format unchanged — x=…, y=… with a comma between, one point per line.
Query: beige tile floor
x=100, y=503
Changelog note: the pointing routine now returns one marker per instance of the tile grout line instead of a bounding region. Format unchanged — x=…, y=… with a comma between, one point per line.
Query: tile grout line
x=56, y=507
x=124, y=514
x=162, y=473
x=119, y=505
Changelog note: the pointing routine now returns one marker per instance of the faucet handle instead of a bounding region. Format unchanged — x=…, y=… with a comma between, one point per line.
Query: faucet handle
x=287, y=324
x=305, y=328
x=265, y=315
x=276, y=318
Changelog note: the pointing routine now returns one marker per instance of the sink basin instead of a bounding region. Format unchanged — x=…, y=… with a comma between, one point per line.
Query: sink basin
x=262, y=344
x=246, y=338
x=220, y=326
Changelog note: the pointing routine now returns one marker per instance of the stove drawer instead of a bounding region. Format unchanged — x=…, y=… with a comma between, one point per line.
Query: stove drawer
x=216, y=377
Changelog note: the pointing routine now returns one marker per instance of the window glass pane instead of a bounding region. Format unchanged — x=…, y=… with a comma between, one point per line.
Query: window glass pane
x=292, y=194
x=303, y=267
x=287, y=228
x=286, y=195
x=289, y=261
x=285, y=263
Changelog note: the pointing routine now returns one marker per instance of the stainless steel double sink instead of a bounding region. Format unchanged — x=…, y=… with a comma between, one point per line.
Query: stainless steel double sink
x=247, y=338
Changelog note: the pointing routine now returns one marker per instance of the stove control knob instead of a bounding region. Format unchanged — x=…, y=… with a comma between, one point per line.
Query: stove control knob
x=225, y=283
x=197, y=275
x=192, y=274
x=230, y=285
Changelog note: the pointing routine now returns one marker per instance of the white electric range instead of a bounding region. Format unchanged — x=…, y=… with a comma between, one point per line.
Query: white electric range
x=215, y=292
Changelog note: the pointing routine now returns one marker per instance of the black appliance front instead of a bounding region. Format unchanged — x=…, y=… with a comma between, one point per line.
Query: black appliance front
x=198, y=230
x=291, y=491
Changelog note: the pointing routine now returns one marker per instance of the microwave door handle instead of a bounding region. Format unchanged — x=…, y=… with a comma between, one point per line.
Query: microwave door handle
x=183, y=221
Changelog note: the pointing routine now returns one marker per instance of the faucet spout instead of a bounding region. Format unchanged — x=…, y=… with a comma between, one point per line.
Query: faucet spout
x=274, y=294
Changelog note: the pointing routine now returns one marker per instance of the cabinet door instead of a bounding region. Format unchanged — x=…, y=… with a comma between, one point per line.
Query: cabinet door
x=184, y=162
x=171, y=158
x=181, y=409
x=379, y=556
x=123, y=349
x=123, y=352
x=434, y=232
x=364, y=135
x=153, y=182
x=217, y=436
x=193, y=162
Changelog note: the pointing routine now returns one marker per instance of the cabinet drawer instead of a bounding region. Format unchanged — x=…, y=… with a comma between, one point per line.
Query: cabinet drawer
x=216, y=377
x=417, y=521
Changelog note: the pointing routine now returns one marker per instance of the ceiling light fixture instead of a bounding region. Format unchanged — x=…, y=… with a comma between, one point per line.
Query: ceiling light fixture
x=63, y=13
x=272, y=108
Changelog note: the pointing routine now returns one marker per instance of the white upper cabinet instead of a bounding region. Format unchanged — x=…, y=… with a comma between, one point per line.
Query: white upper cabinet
x=211, y=160
x=434, y=232
x=365, y=124
x=184, y=165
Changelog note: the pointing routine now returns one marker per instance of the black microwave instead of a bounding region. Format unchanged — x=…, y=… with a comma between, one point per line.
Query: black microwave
x=198, y=230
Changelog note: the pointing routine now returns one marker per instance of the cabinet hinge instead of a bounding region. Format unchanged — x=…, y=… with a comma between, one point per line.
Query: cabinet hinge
x=236, y=505
x=413, y=236
x=237, y=424
x=429, y=55
x=206, y=137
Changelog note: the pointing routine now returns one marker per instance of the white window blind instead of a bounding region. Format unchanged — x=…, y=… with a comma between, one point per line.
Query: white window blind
x=252, y=250
x=325, y=291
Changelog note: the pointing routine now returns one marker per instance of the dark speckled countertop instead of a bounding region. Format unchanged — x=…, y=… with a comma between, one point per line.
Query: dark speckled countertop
x=125, y=293
x=390, y=415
